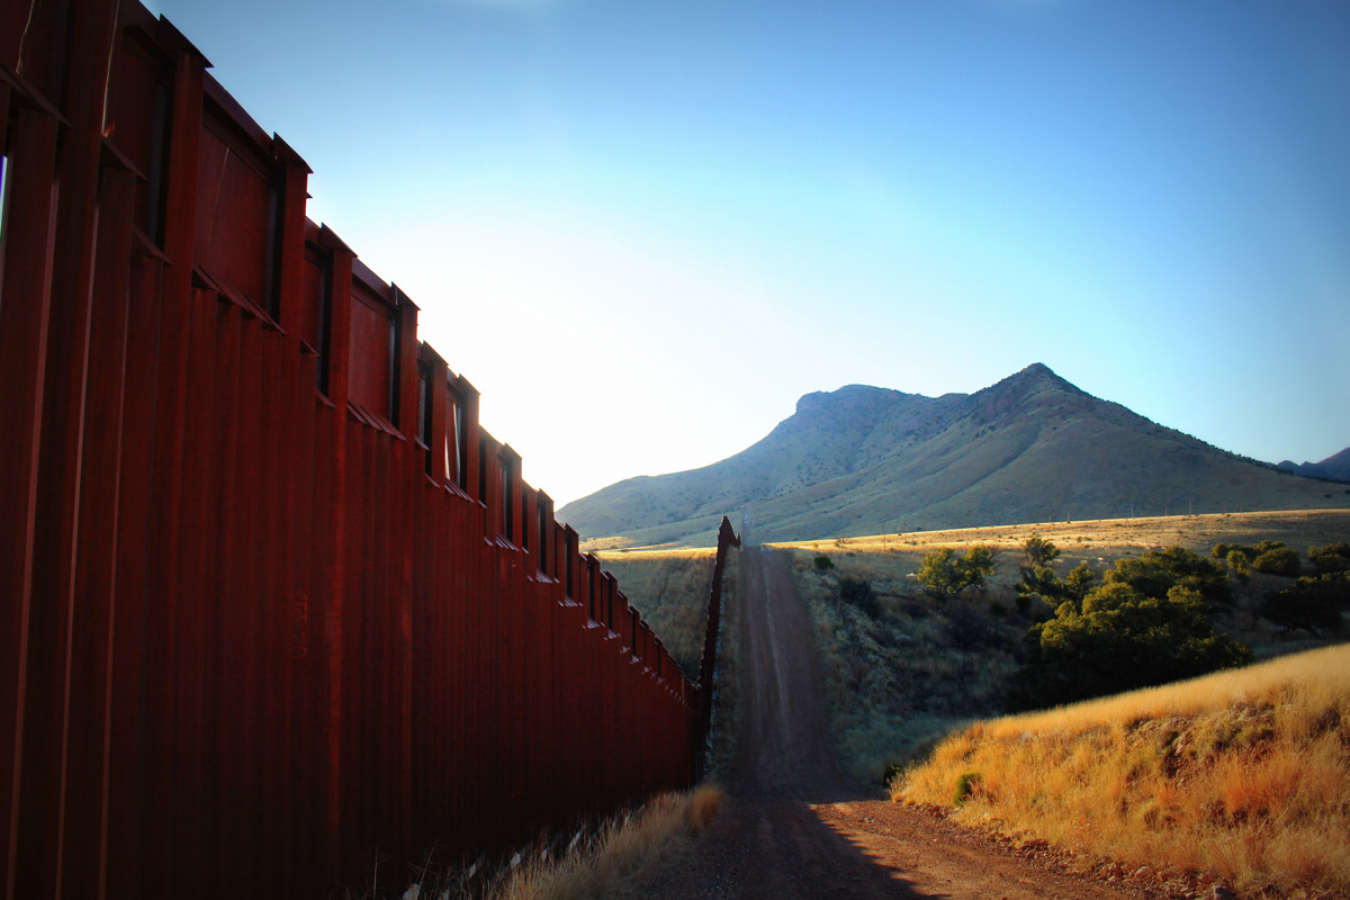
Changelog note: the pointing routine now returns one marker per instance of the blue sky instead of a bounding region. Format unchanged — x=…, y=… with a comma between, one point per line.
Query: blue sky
x=644, y=229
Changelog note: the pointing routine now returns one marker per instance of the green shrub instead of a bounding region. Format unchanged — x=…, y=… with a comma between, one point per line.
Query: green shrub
x=1312, y=605
x=1156, y=572
x=966, y=786
x=1278, y=561
x=1042, y=582
x=944, y=573
x=1081, y=580
x=824, y=563
x=1039, y=552
x=1239, y=559
x=1330, y=559
x=858, y=591
x=1119, y=640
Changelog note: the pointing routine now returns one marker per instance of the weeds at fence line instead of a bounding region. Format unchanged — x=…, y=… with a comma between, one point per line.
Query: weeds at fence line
x=607, y=860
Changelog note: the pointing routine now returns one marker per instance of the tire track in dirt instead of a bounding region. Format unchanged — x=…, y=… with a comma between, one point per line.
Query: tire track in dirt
x=795, y=828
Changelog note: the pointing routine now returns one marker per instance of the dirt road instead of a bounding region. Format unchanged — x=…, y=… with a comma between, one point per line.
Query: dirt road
x=796, y=828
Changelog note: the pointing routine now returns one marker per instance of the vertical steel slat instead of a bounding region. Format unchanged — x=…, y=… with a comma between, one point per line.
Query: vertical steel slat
x=196, y=600
x=243, y=683
x=56, y=607
x=128, y=828
x=301, y=824
x=24, y=315
x=272, y=641
x=226, y=516
x=87, y=814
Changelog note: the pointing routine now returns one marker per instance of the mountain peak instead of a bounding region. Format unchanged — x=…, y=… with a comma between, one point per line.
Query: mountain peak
x=1019, y=387
x=850, y=396
x=868, y=460
x=1037, y=372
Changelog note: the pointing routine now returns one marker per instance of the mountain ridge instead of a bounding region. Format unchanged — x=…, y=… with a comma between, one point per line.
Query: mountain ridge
x=862, y=459
x=1334, y=468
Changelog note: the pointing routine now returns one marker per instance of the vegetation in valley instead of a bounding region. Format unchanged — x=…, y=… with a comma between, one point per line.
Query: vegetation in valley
x=905, y=667
x=897, y=672
x=1239, y=777
x=1148, y=622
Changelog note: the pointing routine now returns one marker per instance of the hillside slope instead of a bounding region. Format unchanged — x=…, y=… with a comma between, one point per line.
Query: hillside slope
x=1185, y=778
x=867, y=460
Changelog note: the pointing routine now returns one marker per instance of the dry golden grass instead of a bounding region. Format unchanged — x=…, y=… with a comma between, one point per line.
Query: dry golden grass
x=894, y=556
x=614, y=861
x=670, y=589
x=1245, y=775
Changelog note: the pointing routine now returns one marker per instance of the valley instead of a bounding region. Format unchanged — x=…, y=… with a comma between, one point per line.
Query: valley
x=795, y=828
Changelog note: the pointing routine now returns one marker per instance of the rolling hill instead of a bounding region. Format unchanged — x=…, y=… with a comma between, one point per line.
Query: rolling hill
x=868, y=460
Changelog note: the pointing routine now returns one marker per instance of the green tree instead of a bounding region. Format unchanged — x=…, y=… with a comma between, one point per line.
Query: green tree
x=944, y=573
x=1121, y=639
x=1039, y=551
x=940, y=574
x=1081, y=580
x=1311, y=604
x=1330, y=559
x=978, y=564
x=1157, y=571
x=1038, y=581
x=1239, y=559
x=823, y=563
x=1314, y=603
x=1279, y=560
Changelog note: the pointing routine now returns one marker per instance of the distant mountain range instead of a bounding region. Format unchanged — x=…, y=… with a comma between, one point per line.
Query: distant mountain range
x=1335, y=467
x=867, y=460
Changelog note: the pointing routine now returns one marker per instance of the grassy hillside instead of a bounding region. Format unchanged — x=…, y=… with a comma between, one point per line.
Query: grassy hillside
x=670, y=588
x=902, y=676
x=1241, y=776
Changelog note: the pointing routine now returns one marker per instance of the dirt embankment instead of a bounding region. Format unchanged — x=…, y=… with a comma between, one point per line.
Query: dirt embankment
x=796, y=828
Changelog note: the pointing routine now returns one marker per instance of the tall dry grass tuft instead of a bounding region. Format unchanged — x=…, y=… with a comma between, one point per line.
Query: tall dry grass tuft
x=1244, y=775
x=615, y=859
x=703, y=806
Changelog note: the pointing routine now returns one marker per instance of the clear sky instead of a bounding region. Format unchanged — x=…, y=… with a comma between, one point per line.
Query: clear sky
x=644, y=228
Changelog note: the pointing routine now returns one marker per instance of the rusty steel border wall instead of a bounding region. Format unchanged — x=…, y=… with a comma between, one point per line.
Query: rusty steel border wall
x=275, y=612
x=726, y=539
